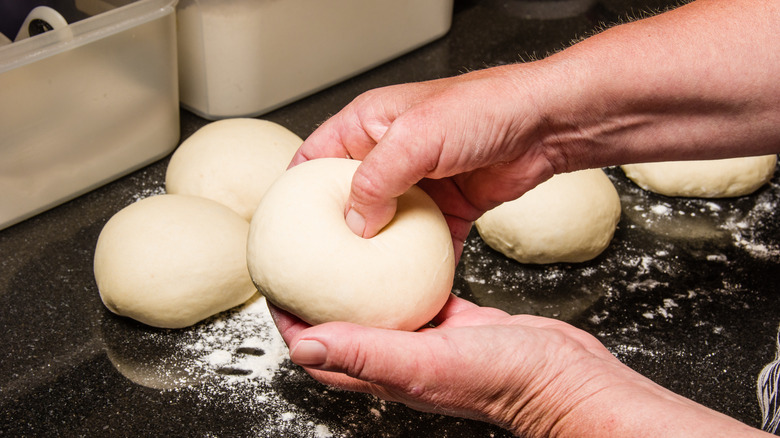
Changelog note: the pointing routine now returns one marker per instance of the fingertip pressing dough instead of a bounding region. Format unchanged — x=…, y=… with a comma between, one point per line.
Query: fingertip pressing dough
x=232, y=161
x=704, y=179
x=304, y=259
x=568, y=218
x=172, y=260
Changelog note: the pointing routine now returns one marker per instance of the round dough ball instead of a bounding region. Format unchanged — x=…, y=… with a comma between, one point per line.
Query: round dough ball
x=704, y=179
x=304, y=258
x=232, y=161
x=173, y=260
x=569, y=218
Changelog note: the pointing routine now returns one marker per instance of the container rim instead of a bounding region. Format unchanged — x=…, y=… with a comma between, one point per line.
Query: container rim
x=82, y=32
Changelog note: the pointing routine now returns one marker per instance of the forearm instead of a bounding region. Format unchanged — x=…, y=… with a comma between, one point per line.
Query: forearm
x=607, y=399
x=696, y=82
x=647, y=410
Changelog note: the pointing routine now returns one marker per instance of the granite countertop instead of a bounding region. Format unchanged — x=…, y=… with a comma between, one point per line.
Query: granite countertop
x=685, y=294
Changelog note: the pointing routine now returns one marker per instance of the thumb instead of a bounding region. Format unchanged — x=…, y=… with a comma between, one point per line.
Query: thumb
x=393, y=166
x=362, y=359
x=371, y=206
x=427, y=371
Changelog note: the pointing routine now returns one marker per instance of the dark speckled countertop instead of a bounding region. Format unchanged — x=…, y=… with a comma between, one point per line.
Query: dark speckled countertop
x=686, y=293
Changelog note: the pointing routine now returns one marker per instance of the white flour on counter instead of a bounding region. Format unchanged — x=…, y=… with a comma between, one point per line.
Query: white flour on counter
x=230, y=363
x=745, y=229
x=242, y=364
x=243, y=345
x=241, y=353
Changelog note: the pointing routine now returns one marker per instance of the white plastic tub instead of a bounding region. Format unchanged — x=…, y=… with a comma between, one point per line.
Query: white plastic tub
x=85, y=104
x=242, y=58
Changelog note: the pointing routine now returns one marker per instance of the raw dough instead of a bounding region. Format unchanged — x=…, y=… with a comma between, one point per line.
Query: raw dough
x=304, y=258
x=172, y=260
x=568, y=218
x=704, y=179
x=232, y=161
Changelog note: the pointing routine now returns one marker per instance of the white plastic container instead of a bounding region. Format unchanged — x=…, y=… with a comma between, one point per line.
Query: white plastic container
x=85, y=104
x=241, y=58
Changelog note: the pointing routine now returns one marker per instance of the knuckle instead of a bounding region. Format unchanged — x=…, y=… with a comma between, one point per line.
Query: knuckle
x=356, y=363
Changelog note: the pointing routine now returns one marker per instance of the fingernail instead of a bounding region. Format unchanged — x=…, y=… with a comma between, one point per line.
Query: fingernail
x=309, y=353
x=356, y=222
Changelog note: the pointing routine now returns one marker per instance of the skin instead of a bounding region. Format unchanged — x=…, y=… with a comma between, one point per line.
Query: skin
x=698, y=82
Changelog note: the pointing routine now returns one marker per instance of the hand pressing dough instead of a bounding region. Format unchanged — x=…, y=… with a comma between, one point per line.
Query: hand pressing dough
x=304, y=258
x=232, y=161
x=173, y=260
x=704, y=179
x=568, y=218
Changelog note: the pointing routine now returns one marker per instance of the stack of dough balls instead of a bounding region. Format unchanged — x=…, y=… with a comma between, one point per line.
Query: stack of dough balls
x=173, y=260
x=304, y=258
x=569, y=218
x=724, y=178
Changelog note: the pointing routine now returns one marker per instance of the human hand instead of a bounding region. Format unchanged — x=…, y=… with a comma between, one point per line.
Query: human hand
x=469, y=141
x=489, y=136
x=534, y=376
x=522, y=372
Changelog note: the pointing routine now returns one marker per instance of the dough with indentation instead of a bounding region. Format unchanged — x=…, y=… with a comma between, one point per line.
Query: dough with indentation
x=568, y=218
x=304, y=258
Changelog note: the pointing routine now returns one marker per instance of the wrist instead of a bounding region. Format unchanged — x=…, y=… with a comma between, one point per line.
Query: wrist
x=637, y=407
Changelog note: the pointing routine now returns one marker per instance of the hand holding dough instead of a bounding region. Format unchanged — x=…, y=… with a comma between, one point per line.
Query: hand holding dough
x=304, y=258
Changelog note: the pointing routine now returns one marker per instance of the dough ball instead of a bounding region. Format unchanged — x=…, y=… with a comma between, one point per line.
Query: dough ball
x=568, y=218
x=304, y=258
x=172, y=260
x=232, y=161
x=704, y=179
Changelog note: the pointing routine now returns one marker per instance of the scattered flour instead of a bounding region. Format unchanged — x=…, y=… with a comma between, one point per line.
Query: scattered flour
x=232, y=361
x=148, y=192
x=661, y=209
x=243, y=345
x=748, y=229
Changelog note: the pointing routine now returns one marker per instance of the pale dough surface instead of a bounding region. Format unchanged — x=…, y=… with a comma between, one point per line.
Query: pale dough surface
x=232, y=161
x=173, y=260
x=568, y=218
x=704, y=179
x=304, y=258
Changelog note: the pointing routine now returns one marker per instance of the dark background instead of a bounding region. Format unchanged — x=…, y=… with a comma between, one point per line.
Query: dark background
x=685, y=294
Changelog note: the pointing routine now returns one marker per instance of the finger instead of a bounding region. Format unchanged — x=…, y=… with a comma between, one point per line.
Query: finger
x=381, y=357
x=288, y=324
x=324, y=142
x=457, y=210
x=342, y=136
x=458, y=312
x=347, y=383
x=355, y=130
x=411, y=367
x=490, y=186
x=401, y=158
x=452, y=307
x=459, y=230
x=291, y=327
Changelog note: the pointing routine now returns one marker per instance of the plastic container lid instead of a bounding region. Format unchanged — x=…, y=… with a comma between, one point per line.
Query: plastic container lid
x=82, y=32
